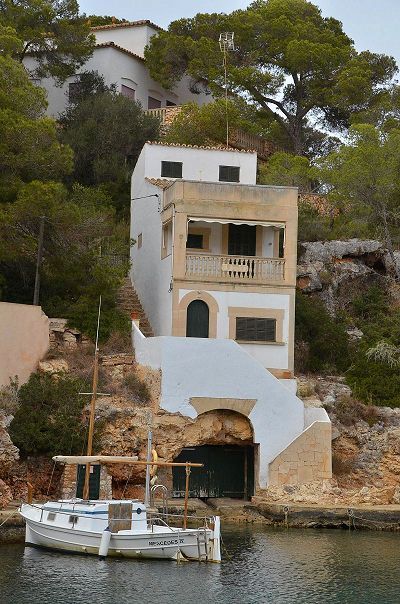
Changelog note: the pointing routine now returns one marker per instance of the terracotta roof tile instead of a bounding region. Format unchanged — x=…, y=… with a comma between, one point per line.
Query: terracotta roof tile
x=208, y=148
x=120, y=48
x=127, y=24
x=161, y=183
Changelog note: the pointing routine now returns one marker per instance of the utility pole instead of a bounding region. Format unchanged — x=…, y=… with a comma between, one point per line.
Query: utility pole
x=38, y=262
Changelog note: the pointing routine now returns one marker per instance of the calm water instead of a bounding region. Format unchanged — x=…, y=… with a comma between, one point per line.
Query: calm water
x=277, y=566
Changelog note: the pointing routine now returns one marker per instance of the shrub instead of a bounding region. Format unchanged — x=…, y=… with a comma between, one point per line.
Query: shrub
x=328, y=348
x=341, y=465
x=349, y=411
x=373, y=381
x=137, y=387
x=49, y=417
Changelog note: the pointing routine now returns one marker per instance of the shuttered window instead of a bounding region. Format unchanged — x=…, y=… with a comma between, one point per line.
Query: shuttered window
x=171, y=169
x=254, y=329
x=229, y=173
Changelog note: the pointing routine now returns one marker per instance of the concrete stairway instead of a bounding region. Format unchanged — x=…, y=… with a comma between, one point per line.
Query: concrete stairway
x=128, y=301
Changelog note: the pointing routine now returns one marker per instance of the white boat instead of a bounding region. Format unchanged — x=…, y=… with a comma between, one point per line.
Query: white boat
x=105, y=528
x=117, y=527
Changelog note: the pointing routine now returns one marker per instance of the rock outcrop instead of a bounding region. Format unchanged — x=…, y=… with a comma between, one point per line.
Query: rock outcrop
x=336, y=271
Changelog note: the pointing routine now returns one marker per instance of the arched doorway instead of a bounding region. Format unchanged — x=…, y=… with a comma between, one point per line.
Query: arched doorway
x=197, y=320
x=223, y=441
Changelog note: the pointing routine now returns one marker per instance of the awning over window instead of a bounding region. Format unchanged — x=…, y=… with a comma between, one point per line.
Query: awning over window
x=277, y=225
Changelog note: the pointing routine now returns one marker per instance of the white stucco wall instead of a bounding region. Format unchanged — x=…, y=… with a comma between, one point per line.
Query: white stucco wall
x=120, y=68
x=274, y=356
x=200, y=164
x=134, y=38
x=24, y=340
x=196, y=367
x=150, y=274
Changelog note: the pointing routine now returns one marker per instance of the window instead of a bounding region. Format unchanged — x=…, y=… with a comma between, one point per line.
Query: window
x=255, y=329
x=139, y=240
x=51, y=516
x=171, y=169
x=128, y=92
x=195, y=241
x=74, y=89
x=153, y=103
x=170, y=104
x=229, y=173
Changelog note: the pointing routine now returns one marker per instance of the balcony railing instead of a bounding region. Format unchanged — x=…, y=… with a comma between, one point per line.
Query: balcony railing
x=242, y=269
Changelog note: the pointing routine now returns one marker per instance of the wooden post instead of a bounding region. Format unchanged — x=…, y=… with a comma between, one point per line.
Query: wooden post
x=187, y=466
x=30, y=492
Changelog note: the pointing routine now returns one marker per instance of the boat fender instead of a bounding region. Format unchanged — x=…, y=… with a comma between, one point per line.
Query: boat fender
x=153, y=469
x=104, y=543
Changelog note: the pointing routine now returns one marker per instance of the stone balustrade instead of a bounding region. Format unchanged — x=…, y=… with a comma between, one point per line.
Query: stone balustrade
x=242, y=269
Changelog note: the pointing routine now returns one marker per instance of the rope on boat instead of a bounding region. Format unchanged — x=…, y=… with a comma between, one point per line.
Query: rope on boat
x=51, y=478
x=8, y=517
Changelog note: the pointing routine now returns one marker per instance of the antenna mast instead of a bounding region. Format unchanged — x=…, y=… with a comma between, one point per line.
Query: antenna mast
x=92, y=406
x=226, y=44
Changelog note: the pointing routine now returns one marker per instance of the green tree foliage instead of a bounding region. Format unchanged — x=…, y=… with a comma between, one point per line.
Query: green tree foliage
x=96, y=20
x=53, y=32
x=29, y=148
x=363, y=178
x=292, y=64
x=85, y=252
x=372, y=379
x=326, y=339
x=106, y=132
x=206, y=124
x=289, y=170
x=49, y=419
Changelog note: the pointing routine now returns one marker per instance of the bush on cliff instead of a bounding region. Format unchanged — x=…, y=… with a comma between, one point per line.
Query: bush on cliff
x=49, y=417
x=326, y=341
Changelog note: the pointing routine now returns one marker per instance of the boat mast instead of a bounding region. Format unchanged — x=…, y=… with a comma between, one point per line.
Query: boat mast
x=92, y=407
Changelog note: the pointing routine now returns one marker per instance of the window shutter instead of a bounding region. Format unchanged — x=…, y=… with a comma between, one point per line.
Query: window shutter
x=255, y=329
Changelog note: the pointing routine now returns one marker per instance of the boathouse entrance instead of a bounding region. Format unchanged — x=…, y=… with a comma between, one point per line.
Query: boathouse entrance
x=228, y=472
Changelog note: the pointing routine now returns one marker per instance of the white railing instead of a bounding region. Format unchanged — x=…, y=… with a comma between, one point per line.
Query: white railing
x=235, y=268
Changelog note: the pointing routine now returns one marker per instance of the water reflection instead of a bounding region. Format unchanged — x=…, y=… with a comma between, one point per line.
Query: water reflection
x=266, y=566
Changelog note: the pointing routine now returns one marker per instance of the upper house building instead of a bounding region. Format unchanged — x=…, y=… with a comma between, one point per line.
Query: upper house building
x=119, y=57
x=215, y=254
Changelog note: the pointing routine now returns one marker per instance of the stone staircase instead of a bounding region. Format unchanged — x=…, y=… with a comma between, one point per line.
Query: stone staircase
x=128, y=301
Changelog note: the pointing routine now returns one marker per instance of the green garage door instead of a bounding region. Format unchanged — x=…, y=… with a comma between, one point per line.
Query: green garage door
x=228, y=472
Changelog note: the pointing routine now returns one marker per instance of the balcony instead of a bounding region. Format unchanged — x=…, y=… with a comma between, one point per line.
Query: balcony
x=235, y=269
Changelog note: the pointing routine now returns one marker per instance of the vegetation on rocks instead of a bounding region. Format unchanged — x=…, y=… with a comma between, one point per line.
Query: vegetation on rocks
x=49, y=417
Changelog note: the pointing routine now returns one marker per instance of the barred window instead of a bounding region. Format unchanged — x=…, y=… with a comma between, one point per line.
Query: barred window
x=171, y=169
x=255, y=329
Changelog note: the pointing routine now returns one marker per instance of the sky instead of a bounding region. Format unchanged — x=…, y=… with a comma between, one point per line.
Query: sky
x=373, y=24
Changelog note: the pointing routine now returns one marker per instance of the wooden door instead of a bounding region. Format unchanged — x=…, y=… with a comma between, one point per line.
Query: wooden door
x=197, y=320
x=94, y=481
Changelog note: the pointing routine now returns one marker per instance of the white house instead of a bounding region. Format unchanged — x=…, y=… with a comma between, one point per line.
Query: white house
x=214, y=265
x=119, y=58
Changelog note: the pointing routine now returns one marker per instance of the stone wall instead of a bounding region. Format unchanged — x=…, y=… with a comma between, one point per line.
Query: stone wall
x=308, y=458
